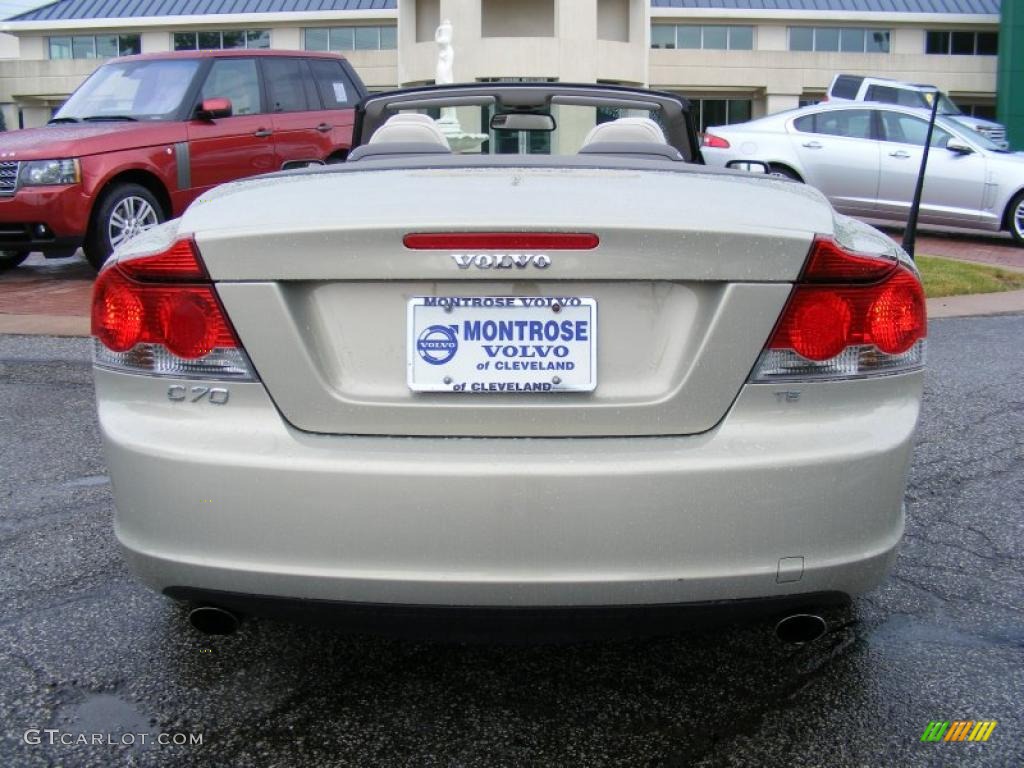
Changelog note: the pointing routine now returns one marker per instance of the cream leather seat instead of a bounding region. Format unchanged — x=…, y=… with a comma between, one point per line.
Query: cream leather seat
x=626, y=129
x=411, y=128
x=403, y=134
x=633, y=137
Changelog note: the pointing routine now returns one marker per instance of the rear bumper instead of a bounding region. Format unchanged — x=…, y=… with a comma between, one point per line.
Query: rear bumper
x=62, y=211
x=779, y=500
x=471, y=623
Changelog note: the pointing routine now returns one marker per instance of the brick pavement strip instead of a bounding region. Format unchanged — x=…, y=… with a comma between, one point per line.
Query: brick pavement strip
x=994, y=250
x=45, y=296
x=998, y=254
x=44, y=325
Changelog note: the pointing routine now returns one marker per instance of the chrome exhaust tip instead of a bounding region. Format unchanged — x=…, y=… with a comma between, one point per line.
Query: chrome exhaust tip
x=800, y=628
x=211, y=620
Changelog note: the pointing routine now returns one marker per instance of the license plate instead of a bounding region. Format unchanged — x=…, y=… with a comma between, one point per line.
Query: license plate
x=502, y=344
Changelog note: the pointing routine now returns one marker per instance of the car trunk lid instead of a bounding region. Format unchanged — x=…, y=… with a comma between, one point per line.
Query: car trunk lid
x=689, y=275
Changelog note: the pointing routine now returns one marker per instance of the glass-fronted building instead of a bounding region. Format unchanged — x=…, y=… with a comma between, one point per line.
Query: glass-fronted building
x=735, y=59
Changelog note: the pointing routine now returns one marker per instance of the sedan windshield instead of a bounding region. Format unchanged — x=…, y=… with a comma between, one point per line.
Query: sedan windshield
x=947, y=107
x=924, y=100
x=975, y=137
x=140, y=90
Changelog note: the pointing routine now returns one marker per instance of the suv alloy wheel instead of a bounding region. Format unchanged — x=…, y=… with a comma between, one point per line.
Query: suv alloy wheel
x=125, y=211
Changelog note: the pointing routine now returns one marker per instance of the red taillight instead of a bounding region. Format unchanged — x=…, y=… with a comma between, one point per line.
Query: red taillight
x=717, y=142
x=501, y=241
x=117, y=312
x=816, y=324
x=147, y=301
x=829, y=263
x=848, y=300
x=179, y=263
x=897, y=317
x=192, y=324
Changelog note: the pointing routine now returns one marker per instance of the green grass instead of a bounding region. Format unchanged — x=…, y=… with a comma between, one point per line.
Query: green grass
x=946, y=277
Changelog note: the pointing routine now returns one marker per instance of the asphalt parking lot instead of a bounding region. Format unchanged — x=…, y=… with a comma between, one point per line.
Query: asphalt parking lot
x=86, y=649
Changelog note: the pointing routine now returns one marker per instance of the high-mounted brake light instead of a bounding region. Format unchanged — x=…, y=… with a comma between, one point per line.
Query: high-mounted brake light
x=160, y=315
x=501, y=241
x=716, y=142
x=850, y=315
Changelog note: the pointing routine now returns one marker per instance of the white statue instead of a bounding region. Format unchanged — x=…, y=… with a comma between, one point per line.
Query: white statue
x=445, y=54
x=458, y=139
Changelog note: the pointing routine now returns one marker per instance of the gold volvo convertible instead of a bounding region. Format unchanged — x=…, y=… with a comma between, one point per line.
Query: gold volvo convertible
x=565, y=367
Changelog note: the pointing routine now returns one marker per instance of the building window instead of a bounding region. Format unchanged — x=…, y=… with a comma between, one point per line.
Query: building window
x=223, y=38
x=720, y=111
x=707, y=37
x=984, y=111
x=517, y=18
x=428, y=19
x=351, y=38
x=613, y=20
x=839, y=39
x=961, y=43
x=94, y=46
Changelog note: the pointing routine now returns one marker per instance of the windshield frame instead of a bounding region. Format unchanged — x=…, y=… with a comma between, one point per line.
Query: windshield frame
x=680, y=131
x=945, y=100
x=182, y=111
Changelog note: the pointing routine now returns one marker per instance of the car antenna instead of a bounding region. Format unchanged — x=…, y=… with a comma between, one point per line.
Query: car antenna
x=910, y=233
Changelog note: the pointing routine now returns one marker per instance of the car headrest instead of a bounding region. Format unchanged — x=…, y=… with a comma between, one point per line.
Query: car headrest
x=411, y=117
x=390, y=149
x=638, y=149
x=410, y=129
x=626, y=129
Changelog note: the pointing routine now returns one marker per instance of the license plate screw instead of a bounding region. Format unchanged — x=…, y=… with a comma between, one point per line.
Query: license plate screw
x=556, y=380
x=556, y=308
x=448, y=308
x=447, y=379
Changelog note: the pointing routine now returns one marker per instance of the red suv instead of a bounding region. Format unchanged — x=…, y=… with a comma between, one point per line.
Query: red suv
x=145, y=135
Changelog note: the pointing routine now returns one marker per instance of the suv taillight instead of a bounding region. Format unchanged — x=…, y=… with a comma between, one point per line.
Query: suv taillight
x=849, y=316
x=160, y=315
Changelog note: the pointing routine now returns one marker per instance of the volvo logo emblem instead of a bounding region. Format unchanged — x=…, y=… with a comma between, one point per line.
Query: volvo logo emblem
x=438, y=344
x=502, y=260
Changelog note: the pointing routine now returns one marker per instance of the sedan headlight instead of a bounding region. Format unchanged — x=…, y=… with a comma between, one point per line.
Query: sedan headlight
x=37, y=173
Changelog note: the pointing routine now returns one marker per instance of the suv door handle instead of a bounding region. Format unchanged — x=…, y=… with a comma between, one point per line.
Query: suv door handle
x=901, y=153
x=324, y=127
x=813, y=144
x=262, y=132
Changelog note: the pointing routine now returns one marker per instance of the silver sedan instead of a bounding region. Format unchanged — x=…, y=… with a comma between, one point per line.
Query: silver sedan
x=866, y=158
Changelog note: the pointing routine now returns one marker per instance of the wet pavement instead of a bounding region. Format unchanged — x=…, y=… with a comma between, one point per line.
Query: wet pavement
x=85, y=649
x=47, y=296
